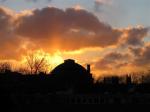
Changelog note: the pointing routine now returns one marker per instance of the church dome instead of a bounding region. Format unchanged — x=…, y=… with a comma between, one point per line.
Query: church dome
x=71, y=73
x=69, y=67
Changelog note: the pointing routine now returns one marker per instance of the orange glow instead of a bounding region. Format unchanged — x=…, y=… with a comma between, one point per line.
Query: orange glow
x=52, y=60
x=55, y=59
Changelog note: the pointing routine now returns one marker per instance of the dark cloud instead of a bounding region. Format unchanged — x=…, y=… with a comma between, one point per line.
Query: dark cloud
x=136, y=51
x=113, y=60
x=8, y=40
x=135, y=36
x=76, y=28
x=142, y=56
x=52, y=28
x=5, y=23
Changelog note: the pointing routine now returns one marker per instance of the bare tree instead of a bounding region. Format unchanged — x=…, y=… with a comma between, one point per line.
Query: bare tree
x=5, y=66
x=36, y=64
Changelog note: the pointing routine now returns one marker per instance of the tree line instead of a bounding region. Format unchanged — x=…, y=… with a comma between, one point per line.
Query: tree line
x=33, y=65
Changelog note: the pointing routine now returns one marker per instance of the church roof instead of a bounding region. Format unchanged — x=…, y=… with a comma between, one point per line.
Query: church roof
x=71, y=75
x=69, y=67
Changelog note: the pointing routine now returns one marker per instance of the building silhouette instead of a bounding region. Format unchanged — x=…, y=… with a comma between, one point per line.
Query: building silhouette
x=69, y=83
x=70, y=75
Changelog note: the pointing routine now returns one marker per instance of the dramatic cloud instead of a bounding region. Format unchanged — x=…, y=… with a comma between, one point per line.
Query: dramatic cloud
x=134, y=53
x=113, y=60
x=7, y=40
x=52, y=29
x=134, y=36
x=76, y=28
x=10, y=43
x=5, y=23
x=142, y=56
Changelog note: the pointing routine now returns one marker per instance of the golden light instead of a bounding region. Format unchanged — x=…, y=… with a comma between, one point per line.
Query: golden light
x=52, y=60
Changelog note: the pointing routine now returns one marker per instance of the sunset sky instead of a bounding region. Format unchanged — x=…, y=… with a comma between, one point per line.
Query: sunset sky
x=111, y=35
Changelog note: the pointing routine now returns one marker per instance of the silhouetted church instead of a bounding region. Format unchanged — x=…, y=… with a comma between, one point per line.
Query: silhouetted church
x=68, y=83
x=70, y=75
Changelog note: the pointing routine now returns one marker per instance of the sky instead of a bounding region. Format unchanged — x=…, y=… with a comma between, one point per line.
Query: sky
x=118, y=13
x=111, y=35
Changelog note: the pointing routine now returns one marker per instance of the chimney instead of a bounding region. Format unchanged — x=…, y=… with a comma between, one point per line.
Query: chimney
x=89, y=68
